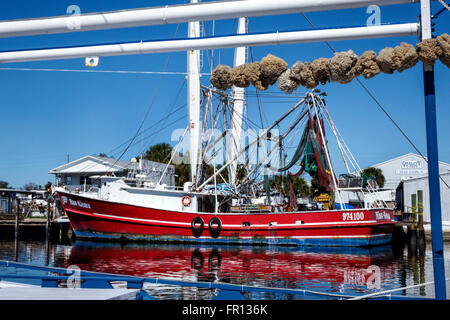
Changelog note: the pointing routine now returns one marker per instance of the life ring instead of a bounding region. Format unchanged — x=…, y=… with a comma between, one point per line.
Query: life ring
x=186, y=201
x=215, y=231
x=197, y=230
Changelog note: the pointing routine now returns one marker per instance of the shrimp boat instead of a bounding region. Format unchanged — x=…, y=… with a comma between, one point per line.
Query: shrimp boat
x=211, y=213
x=238, y=210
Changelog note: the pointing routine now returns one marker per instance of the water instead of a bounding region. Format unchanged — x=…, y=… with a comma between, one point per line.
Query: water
x=333, y=270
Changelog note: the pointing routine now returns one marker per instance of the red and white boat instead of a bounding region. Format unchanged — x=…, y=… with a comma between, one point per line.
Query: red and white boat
x=131, y=210
x=115, y=220
x=201, y=212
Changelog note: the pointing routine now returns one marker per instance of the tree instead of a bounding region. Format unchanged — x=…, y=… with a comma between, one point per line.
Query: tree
x=48, y=185
x=4, y=184
x=377, y=173
x=281, y=184
x=102, y=155
x=160, y=152
x=32, y=186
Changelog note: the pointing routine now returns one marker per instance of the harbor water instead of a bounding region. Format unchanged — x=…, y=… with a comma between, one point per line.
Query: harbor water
x=347, y=271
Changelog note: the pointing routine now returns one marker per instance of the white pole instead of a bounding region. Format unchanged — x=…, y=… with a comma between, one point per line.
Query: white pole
x=217, y=10
x=333, y=177
x=234, y=140
x=278, y=38
x=193, y=98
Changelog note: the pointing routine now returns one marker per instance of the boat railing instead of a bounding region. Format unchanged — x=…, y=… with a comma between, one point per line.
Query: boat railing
x=82, y=188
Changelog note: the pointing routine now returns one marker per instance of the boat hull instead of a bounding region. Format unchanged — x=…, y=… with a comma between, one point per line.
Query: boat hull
x=99, y=219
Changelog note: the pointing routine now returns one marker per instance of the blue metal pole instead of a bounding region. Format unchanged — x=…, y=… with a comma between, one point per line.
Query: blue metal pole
x=433, y=181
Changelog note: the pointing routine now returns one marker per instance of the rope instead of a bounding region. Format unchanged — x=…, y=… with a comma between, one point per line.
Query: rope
x=444, y=4
x=99, y=71
x=379, y=104
x=393, y=290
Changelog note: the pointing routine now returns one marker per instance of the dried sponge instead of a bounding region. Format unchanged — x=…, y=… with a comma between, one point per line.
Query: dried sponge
x=367, y=64
x=271, y=68
x=238, y=76
x=253, y=74
x=444, y=49
x=321, y=70
x=342, y=66
x=307, y=77
x=428, y=51
x=405, y=56
x=221, y=77
x=285, y=83
x=386, y=60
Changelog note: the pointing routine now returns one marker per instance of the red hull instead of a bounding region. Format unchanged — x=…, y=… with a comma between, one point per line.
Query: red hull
x=91, y=218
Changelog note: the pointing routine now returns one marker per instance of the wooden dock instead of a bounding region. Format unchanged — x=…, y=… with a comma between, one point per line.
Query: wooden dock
x=26, y=227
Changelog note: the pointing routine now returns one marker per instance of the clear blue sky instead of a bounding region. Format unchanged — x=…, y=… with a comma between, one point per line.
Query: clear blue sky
x=47, y=115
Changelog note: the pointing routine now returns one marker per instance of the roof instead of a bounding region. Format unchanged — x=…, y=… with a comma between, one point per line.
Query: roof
x=425, y=177
x=92, y=164
x=411, y=154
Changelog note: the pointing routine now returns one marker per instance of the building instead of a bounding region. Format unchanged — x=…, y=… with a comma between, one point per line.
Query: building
x=86, y=172
x=416, y=195
x=408, y=166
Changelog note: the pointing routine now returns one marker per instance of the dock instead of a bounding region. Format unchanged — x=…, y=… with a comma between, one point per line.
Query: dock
x=19, y=291
x=412, y=222
x=35, y=227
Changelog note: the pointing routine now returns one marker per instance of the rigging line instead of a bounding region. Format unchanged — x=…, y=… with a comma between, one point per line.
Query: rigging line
x=338, y=136
x=151, y=104
x=143, y=131
x=444, y=4
x=98, y=71
x=257, y=94
x=173, y=155
x=381, y=107
x=158, y=131
x=171, y=107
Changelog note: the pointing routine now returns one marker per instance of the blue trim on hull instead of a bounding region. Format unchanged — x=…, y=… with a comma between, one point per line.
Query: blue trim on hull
x=327, y=242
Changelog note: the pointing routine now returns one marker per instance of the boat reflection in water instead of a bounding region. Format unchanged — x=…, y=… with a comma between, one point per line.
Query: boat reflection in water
x=338, y=270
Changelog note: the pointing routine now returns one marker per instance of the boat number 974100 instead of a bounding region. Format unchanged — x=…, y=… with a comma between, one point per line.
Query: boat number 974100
x=352, y=216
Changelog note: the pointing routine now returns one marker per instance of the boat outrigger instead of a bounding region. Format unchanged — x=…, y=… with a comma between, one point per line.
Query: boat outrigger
x=202, y=212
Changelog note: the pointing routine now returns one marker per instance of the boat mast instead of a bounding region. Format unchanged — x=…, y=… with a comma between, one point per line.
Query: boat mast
x=234, y=139
x=193, y=98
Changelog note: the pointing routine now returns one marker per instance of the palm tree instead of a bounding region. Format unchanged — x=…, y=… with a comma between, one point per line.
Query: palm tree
x=160, y=152
x=281, y=184
x=377, y=173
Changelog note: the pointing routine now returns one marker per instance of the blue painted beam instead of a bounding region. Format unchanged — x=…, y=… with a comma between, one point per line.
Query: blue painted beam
x=433, y=183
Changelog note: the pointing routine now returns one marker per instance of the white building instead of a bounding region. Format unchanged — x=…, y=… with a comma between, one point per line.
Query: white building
x=408, y=166
x=86, y=172
x=416, y=190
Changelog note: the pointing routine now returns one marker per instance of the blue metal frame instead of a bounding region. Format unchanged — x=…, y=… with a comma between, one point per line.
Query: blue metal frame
x=433, y=182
